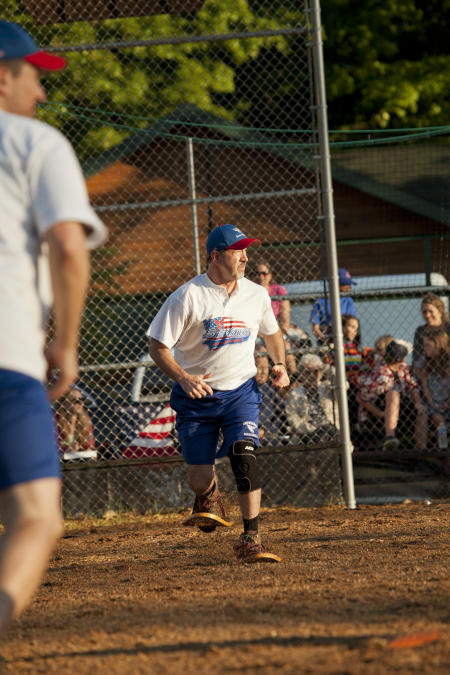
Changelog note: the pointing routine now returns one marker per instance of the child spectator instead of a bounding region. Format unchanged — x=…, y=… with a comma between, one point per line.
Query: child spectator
x=320, y=318
x=352, y=350
x=380, y=345
x=353, y=362
x=436, y=383
x=384, y=399
x=272, y=419
x=310, y=404
x=357, y=362
x=74, y=427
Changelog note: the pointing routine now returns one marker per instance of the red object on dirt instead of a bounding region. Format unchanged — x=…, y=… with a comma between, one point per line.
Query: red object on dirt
x=415, y=639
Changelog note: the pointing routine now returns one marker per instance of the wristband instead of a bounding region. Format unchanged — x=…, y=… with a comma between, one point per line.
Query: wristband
x=279, y=364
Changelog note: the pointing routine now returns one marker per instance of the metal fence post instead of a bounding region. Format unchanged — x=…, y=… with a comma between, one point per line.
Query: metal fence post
x=193, y=197
x=330, y=234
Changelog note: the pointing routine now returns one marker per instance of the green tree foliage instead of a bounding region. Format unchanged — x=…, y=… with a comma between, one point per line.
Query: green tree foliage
x=387, y=65
x=387, y=62
x=149, y=82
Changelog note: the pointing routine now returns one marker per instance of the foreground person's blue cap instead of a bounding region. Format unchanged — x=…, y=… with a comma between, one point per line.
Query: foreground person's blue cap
x=16, y=43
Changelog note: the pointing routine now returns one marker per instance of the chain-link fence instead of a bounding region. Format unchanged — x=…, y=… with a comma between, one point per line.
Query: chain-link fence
x=200, y=114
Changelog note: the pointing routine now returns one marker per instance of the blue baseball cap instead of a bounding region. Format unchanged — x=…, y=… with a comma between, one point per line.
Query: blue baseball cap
x=16, y=43
x=228, y=236
x=345, y=278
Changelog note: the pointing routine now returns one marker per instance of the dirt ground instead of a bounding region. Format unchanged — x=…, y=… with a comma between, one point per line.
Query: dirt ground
x=142, y=594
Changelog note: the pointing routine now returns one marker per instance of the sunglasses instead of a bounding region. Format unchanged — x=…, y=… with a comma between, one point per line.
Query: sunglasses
x=258, y=274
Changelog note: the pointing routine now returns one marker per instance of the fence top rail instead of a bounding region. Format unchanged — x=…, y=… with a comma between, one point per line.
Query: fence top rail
x=118, y=462
x=147, y=362
x=182, y=39
x=367, y=295
x=314, y=295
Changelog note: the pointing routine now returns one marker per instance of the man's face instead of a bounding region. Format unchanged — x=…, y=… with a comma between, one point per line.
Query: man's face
x=21, y=93
x=231, y=264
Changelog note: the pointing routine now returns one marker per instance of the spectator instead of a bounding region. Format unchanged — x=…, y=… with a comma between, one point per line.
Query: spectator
x=262, y=369
x=310, y=403
x=281, y=308
x=291, y=361
x=436, y=389
x=74, y=427
x=297, y=337
x=384, y=397
x=272, y=419
x=433, y=311
x=380, y=345
x=353, y=362
x=320, y=318
x=352, y=350
x=357, y=362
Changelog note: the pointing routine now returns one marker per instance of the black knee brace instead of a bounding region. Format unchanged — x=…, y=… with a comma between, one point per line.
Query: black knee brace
x=243, y=463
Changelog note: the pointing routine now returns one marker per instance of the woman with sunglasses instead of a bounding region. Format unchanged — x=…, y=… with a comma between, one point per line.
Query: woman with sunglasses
x=281, y=308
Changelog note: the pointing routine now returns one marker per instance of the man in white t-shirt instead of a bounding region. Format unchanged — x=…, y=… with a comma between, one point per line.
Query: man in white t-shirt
x=211, y=324
x=46, y=226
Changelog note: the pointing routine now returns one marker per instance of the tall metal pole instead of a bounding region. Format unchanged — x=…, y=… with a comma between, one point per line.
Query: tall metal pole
x=208, y=188
x=330, y=236
x=193, y=197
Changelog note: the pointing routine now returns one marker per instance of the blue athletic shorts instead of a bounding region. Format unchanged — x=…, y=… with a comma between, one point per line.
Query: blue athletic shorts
x=28, y=449
x=199, y=420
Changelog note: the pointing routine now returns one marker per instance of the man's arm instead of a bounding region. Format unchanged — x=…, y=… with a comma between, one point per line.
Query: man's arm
x=318, y=332
x=275, y=348
x=193, y=385
x=70, y=271
x=317, y=313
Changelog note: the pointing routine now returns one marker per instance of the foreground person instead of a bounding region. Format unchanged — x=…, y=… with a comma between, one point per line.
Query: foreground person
x=45, y=219
x=212, y=322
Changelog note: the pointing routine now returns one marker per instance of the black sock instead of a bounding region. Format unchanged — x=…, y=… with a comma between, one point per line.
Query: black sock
x=251, y=524
x=210, y=491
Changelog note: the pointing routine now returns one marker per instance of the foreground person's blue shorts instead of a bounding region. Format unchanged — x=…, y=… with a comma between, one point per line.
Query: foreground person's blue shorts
x=28, y=449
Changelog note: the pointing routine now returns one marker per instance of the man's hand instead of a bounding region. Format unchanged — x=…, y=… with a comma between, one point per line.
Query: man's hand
x=280, y=378
x=65, y=361
x=195, y=386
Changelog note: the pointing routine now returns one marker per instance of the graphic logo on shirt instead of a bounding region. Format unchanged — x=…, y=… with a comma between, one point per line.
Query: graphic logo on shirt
x=224, y=331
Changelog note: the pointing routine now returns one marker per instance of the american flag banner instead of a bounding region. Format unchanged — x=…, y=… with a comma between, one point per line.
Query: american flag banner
x=147, y=430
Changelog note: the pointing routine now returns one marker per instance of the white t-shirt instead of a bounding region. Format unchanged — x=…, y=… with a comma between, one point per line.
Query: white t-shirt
x=211, y=331
x=41, y=184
